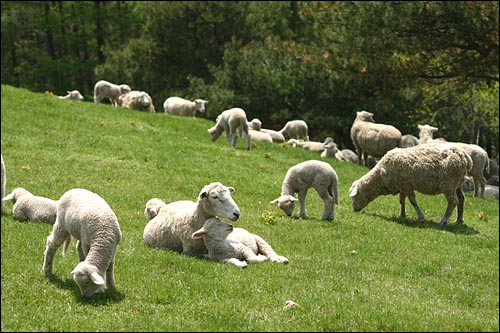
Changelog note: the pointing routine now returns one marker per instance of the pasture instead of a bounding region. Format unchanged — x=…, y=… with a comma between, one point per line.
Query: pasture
x=366, y=271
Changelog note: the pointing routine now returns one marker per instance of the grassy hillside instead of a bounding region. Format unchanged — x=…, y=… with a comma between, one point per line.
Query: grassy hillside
x=366, y=271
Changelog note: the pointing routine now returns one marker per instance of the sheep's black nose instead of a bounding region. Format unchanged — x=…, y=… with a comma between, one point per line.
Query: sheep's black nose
x=237, y=215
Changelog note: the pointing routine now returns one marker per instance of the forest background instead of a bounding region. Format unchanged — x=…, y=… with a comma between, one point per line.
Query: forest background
x=408, y=62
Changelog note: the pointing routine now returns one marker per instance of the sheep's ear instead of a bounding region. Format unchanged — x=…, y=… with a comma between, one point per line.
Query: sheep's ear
x=97, y=279
x=203, y=194
x=292, y=199
x=8, y=197
x=434, y=129
x=353, y=191
x=274, y=201
x=198, y=233
x=420, y=126
x=231, y=189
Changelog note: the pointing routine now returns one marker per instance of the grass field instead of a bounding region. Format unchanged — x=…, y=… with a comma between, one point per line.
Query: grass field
x=365, y=271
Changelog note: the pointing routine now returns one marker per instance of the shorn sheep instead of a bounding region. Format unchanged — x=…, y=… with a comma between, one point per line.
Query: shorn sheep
x=137, y=100
x=232, y=121
x=235, y=246
x=73, y=94
x=104, y=89
x=4, y=180
x=372, y=139
x=296, y=129
x=175, y=222
x=302, y=176
x=29, y=207
x=84, y=215
x=429, y=169
x=182, y=107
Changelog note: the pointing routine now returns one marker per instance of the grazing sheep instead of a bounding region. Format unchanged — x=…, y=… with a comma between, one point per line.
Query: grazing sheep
x=330, y=149
x=275, y=135
x=429, y=169
x=29, y=207
x=302, y=176
x=85, y=216
x=231, y=121
x=372, y=139
x=296, y=129
x=137, y=100
x=153, y=207
x=348, y=156
x=74, y=94
x=235, y=246
x=175, y=223
x=182, y=107
x=409, y=140
x=104, y=89
x=4, y=180
x=260, y=136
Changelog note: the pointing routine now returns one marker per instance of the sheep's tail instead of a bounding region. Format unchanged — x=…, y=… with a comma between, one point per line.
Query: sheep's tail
x=334, y=188
x=67, y=241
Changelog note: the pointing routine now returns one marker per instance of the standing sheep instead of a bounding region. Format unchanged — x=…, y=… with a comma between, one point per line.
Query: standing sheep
x=74, y=95
x=175, y=223
x=296, y=129
x=29, y=207
x=85, y=216
x=232, y=121
x=104, y=89
x=372, y=139
x=429, y=169
x=137, y=100
x=236, y=246
x=182, y=107
x=302, y=176
x=4, y=180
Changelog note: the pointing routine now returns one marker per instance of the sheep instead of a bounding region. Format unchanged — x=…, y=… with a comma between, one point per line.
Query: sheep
x=4, y=180
x=29, y=207
x=182, y=107
x=87, y=217
x=137, y=100
x=153, y=207
x=235, y=246
x=302, y=176
x=175, y=223
x=255, y=124
x=260, y=136
x=492, y=171
x=409, y=140
x=231, y=121
x=429, y=169
x=330, y=149
x=73, y=94
x=295, y=129
x=275, y=135
x=347, y=155
x=372, y=139
x=310, y=145
x=491, y=191
x=105, y=89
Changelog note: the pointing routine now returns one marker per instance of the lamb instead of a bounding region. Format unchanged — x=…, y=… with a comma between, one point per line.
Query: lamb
x=429, y=169
x=74, y=95
x=235, y=246
x=231, y=121
x=260, y=136
x=182, y=107
x=105, y=89
x=409, y=140
x=330, y=149
x=86, y=216
x=310, y=145
x=137, y=100
x=153, y=207
x=29, y=207
x=302, y=176
x=4, y=180
x=347, y=155
x=275, y=135
x=372, y=139
x=296, y=129
x=255, y=124
x=175, y=223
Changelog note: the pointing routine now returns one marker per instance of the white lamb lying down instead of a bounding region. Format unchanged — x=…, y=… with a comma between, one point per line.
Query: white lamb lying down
x=73, y=94
x=153, y=207
x=29, y=207
x=235, y=246
x=85, y=216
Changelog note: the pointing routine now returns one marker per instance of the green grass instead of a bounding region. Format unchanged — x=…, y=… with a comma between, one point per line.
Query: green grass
x=366, y=271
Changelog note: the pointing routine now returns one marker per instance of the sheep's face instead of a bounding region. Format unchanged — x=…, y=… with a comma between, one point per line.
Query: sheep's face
x=331, y=146
x=153, y=206
x=286, y=203
x=220, y=201
x=360, y=197
x=214, y=228
x=364, y=116
x=200, y=105
x=125, y=88
x=88, y=279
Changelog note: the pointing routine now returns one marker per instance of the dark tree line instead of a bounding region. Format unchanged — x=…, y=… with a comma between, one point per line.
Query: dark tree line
x=412, y=62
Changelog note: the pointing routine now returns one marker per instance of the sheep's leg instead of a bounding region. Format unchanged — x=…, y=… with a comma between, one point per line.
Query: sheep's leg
x=328, y=204
x=413, y=200
x=236, y=262
x=452, y=203
x=54, y=240
x=229, y=138
x=302, y=200
x=79, y=250
x=110, y=275
x=479, y=185
x=402, y=199
x=460, y=206
x=266, y=249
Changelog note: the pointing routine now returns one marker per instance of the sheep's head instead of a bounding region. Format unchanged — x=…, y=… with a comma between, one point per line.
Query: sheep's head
x=16, y=194
x=364, y=116
x=331, y=146
x=124, y=88
x=88, y=279
x=214, y=228
x=153, y=206
x=360, y=195
x=286, y=203
x=426, y=132
x=219, y=202
x=200, y=104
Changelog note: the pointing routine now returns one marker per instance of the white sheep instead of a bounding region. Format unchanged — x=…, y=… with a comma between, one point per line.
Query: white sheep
x=232, y=121
x=302, y=176
x=347, y=155
x=310, y=145
x=87, y=217
x=409, y=140
x=296, y=129
x=153, y=207
x=255, y=124
x=372, y=139
x=29, y=207
x=236, y=246
x=330, y=149
x=182, y=107
x=260, y=136
x=4, y=180
x=175, y=223
x=429, y=169
x=137, y=100
x=73, y=94
x=275, y=135
x=491, y=191
x=104, y=89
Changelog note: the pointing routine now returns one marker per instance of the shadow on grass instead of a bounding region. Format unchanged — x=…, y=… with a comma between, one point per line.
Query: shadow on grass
x=456, y=228
x=105, y=298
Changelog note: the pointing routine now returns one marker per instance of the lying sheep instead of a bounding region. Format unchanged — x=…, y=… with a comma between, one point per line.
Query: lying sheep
x=330, y=149
x=232, y=121
x=296, y=129
x=29, y=207
x=409, y=140
x=175, y=223
x=182, y=107
x=74, y=95
x=153, y=207
x=310, y=145
x=137, y=100
x=235, y=246
x=255, y=124
x=372, y=139
x=260, y=136
x=302, y=176
x=104, y=89
x=429, y=169
x=275, y=135
x=4, y=180
x=85, y=216
x=348, y=156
